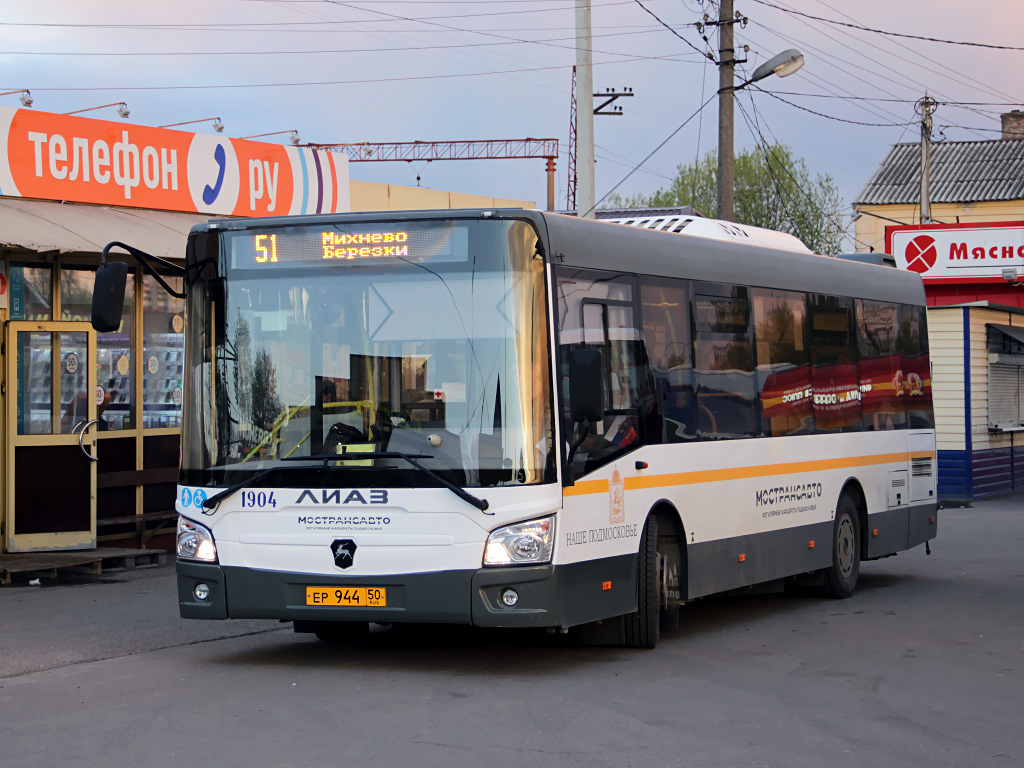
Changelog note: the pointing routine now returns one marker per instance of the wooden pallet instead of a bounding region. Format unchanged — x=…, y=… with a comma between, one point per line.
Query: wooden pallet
x=47, y=564
x=116, y=559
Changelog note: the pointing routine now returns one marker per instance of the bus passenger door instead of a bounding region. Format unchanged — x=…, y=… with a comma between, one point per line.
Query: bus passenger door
x=610, y=326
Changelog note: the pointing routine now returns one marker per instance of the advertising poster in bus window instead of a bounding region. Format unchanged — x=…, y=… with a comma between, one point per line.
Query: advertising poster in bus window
x=786, y=400
x=836, y=396
x=881, y=391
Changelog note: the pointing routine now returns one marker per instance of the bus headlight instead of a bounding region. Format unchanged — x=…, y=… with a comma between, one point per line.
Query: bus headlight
x=195, y=542
x=529, y=543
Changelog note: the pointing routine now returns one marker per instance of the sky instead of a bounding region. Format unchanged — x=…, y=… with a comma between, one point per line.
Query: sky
x=442, y=70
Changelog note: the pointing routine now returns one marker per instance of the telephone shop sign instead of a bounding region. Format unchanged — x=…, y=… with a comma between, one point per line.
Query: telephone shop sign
x=69, y=158
x=965, y=253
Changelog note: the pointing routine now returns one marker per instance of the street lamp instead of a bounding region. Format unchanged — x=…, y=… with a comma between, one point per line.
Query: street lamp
x=25, y=98
x=293, y=136
x=122, y=109
x=218, y=126
x=783, y=65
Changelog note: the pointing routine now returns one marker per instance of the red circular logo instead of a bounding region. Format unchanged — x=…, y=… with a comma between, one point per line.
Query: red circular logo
x=921, y=254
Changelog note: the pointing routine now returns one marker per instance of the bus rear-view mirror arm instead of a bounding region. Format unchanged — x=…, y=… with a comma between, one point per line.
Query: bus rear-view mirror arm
x=111, y=277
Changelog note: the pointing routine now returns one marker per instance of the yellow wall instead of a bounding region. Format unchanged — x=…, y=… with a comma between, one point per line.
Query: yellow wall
x=871, y=230
x=946, y=349
x=370, y=196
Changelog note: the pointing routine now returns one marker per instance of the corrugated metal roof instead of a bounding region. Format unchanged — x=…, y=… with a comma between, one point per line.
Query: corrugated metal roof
x=961, y=172
x=42, y=226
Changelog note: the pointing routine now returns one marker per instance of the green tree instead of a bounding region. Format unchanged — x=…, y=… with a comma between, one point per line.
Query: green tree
x=774, y=190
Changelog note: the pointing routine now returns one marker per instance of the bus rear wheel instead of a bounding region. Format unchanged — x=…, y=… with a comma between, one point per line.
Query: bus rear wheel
x=642, y=626
x=841, y=577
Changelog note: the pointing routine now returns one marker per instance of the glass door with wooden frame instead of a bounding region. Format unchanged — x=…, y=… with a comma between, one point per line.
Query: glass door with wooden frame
x=53, y=415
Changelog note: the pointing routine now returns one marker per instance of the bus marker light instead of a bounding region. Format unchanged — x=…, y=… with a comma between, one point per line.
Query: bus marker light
x=874, y=532
x=606, y=585
x=810, y=545
x=743, y=558
x=641, y=465
x=509, y=597
x=931, y=519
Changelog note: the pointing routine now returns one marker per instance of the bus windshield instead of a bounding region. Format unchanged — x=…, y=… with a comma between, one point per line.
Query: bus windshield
x=323, y=339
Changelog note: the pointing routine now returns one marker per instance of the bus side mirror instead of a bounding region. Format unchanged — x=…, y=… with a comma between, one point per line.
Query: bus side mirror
x=108, y=296
x=586, y=385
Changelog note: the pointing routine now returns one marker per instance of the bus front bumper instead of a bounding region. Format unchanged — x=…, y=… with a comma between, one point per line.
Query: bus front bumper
x=548, y=595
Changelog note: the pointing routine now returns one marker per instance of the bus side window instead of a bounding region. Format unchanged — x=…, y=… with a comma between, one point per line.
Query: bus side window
x=834, y=374
x=783, y=362
x=665, y=309
x=878, y=341
x=917, y=377
x=723, y=363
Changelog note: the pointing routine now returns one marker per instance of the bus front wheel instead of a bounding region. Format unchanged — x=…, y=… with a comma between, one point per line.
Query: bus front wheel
x=841, y=577
x=642, y=626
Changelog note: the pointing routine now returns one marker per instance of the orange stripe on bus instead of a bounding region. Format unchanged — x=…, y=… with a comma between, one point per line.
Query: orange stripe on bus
x=740, y=473
x=586, y=487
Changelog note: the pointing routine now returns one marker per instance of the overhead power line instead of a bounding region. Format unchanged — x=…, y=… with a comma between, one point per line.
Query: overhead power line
x=653, y=152
x=944, y=102
x=506, y=41
x=674, y=32
x=672, y=57
x=886, y=32
x=923, y=61
x=764, y=144
x=403, y=2
x=427, y=22
x=830, y=117
x=236, y=24
x=835, y=34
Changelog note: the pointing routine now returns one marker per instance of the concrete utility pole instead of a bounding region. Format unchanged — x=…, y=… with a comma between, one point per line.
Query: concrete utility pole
x=926, y=142
x=585, y=116
x=726, y=96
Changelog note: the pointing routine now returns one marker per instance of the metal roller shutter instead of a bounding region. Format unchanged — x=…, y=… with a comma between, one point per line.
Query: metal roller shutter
x=1004, y=395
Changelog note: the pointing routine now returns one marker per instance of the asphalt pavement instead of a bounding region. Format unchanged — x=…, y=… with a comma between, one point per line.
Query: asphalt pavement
x=922, y=666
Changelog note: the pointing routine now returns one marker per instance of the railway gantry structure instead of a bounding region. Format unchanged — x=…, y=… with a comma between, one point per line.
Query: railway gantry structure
x=428, y=151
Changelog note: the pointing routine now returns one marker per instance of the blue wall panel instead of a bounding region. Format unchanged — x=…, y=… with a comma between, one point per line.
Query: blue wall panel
x=992, y=472
x=954, y=475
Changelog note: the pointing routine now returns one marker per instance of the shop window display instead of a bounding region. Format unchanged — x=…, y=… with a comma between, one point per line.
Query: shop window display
x=163, y=354
x=114, y=359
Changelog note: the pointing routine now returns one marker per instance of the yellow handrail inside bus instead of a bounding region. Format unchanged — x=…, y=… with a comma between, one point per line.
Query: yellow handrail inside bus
x=291, y=411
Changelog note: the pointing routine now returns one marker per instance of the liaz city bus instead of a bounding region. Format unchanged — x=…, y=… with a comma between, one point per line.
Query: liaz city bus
x=510, y=418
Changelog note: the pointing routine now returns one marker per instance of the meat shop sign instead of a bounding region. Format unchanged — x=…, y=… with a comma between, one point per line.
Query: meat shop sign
x=966, y=253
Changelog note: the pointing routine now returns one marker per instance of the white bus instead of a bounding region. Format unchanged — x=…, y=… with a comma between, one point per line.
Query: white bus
x=511, y=418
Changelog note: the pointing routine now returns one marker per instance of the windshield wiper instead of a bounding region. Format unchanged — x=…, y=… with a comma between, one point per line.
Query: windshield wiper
x=462, y=493
x=459, y=491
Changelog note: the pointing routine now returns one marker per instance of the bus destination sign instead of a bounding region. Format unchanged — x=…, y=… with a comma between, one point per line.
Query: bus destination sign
x=305, y=246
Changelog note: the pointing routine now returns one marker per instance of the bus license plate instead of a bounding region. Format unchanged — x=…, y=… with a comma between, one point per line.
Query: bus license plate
x=373, y=597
